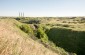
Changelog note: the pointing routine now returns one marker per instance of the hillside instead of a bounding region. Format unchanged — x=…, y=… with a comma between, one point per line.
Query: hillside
x=62, y=31
x=13, y=41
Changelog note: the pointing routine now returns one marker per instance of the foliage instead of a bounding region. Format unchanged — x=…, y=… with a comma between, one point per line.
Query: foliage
x=57, y=49
x=42, y=35
x=65, y=25
x=17, y=18
x=64, y=22
x=61, y=36
x=66, y=37
x=34, y=21
x=26, y=28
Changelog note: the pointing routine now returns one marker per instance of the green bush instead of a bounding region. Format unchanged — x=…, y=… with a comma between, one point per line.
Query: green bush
x=26, y=28
x=17, y=18
x=65, y=25
x=42, y=35
x=34, y=21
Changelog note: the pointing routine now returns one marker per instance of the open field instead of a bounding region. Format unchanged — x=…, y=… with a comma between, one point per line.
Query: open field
x=63, y=31
x=13, y=41
x=52, y=35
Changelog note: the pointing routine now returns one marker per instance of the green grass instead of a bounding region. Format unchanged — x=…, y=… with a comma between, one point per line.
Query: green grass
x=61, y=35
x=42, y=35
x=72, y=41
x=47, y=43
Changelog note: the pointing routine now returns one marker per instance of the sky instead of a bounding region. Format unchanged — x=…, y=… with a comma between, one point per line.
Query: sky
x=42, y=8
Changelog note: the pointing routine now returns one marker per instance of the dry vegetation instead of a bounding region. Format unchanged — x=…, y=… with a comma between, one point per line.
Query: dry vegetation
x=42, y=36
x=63, y=31
x=13, y=41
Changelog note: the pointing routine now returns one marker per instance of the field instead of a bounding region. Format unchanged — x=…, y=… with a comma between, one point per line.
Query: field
x=13, y=41
x=62, y=35
x=63, y=31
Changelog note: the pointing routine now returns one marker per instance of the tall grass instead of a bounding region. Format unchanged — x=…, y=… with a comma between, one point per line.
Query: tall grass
x=72, y=41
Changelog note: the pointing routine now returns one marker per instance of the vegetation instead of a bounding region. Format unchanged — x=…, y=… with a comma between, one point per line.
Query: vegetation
x=26, y=28
x=66, y=37
x=63, y=31
x=34, y=21
x=42, y=35
x=14, y=41
x=65, y=25
x=63, y=35
x=49, y=44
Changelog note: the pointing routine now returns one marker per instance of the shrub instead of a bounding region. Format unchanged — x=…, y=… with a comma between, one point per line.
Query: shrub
x=41, y=34
x=17, y=18
x=26, y=28
x=34, y=21
x=65, y=25
x=64, y=22
x=58, y=24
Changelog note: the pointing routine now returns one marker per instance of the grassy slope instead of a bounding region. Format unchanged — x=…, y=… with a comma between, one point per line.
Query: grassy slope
x=63, y=36
x=13, y=41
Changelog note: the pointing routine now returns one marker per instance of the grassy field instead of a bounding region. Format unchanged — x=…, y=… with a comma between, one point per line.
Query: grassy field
x=65, y=32
x=55, y=35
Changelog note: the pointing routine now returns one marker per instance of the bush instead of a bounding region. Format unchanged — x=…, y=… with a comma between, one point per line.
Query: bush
x=41, y=34
x=65, y=25
x=58, y=24
x=17, y=18
x=64, y=22
x=26, y=28
x=34, y=21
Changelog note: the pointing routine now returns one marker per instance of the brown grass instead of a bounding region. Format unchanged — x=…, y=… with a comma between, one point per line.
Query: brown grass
x=13, y=41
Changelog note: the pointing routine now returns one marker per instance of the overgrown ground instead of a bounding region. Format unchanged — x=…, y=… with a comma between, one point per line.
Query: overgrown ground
x=14, y=41
x=42, y=36
x=66, y=32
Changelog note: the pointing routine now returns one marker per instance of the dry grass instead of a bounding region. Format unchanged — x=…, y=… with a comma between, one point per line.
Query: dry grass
x=74, y=25
x=12, y=41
